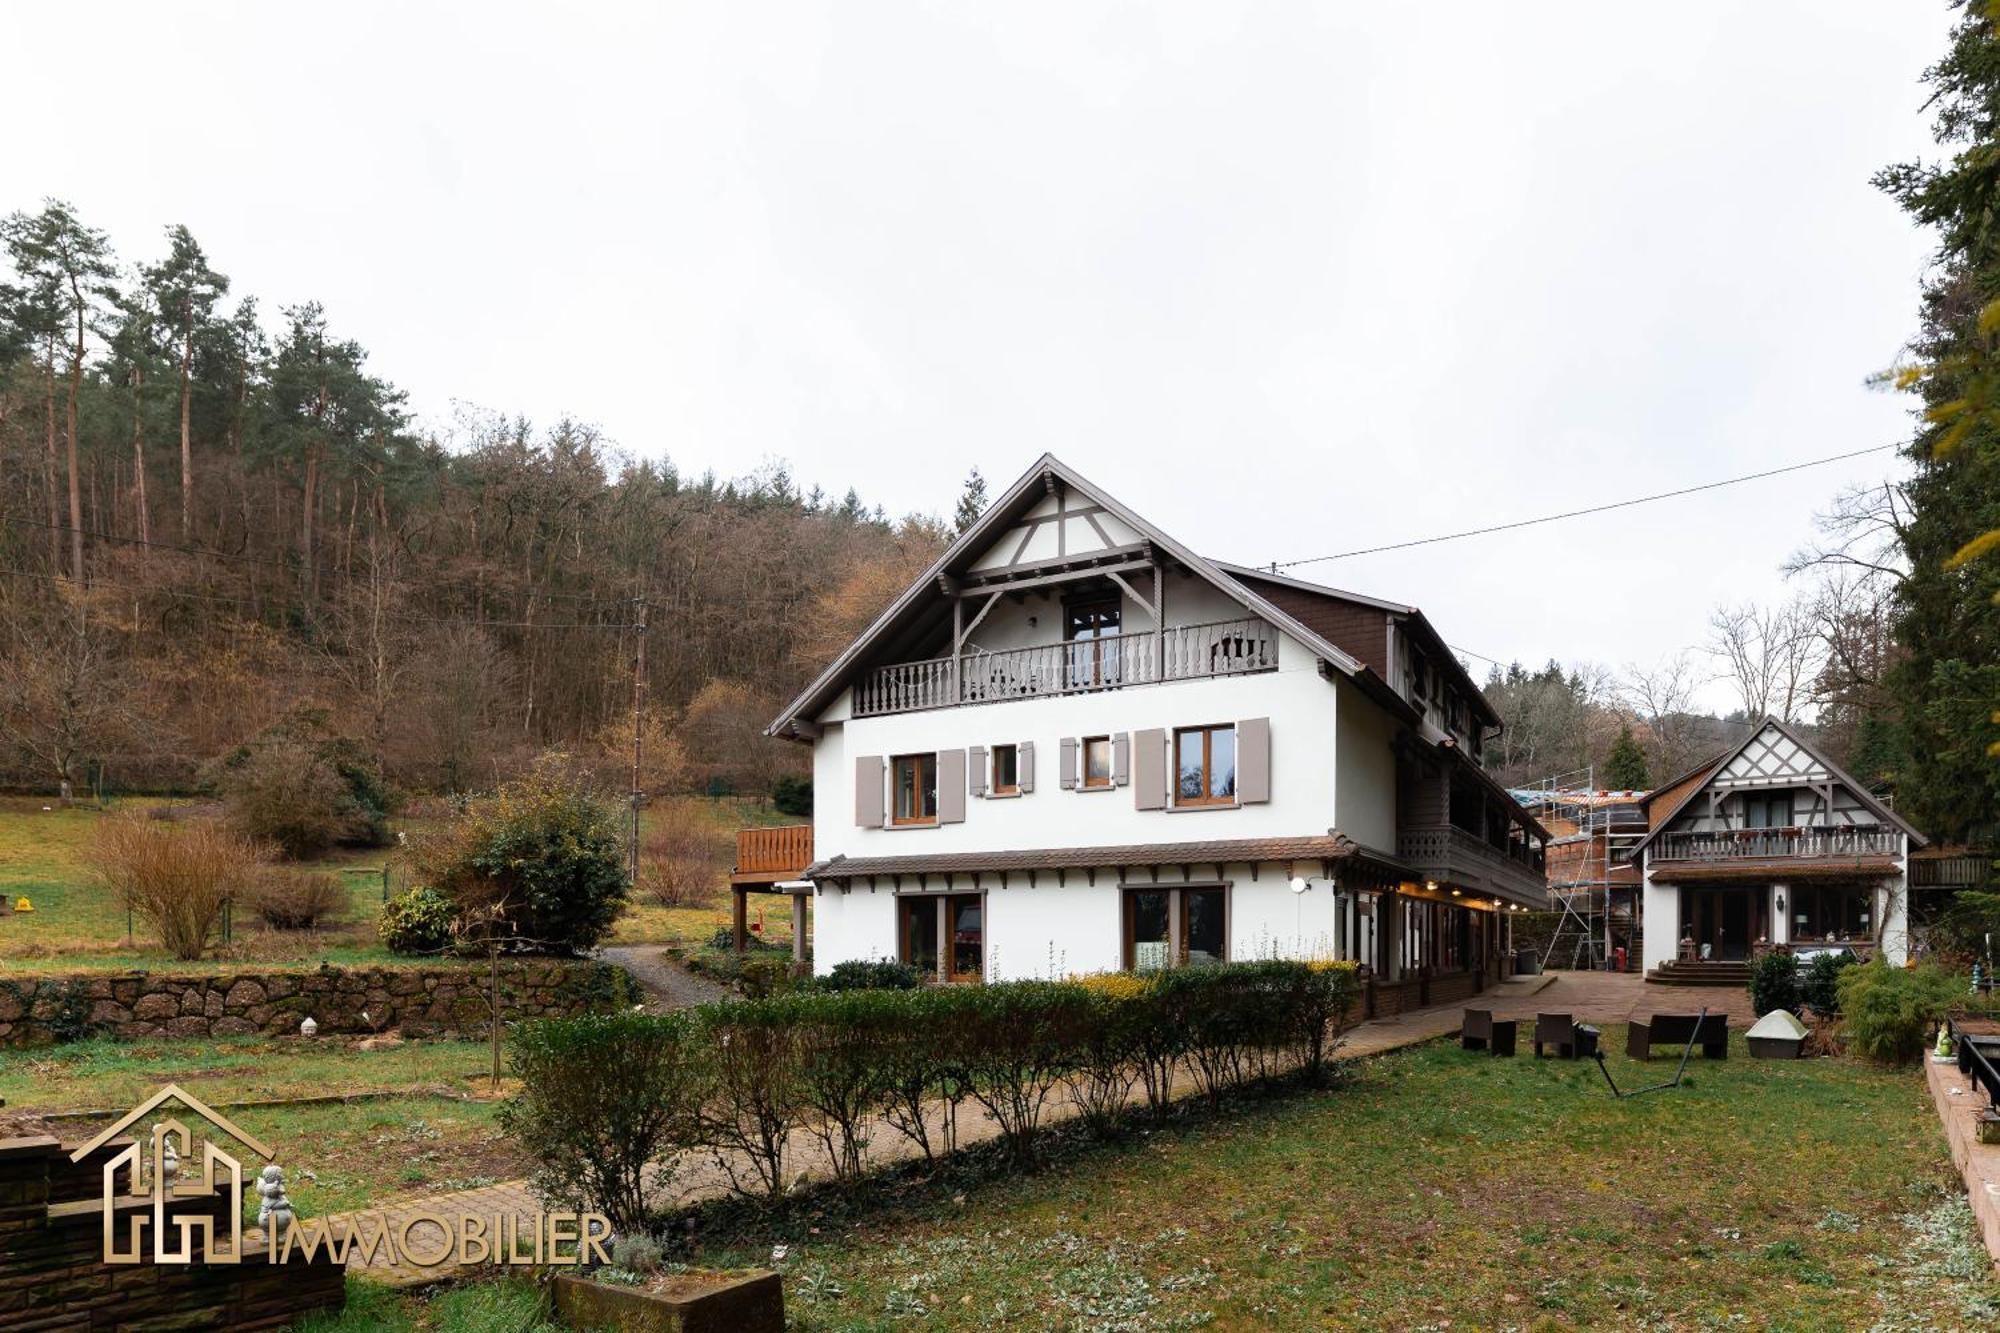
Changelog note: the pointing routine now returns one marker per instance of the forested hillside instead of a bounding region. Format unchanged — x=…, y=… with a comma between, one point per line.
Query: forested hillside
x=215, y=518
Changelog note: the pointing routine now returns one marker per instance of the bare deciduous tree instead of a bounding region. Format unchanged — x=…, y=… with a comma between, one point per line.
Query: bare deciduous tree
x=1770, y=655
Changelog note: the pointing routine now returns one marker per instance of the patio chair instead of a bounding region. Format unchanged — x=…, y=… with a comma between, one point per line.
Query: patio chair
x=1476, y=1033
x=1557, y=1030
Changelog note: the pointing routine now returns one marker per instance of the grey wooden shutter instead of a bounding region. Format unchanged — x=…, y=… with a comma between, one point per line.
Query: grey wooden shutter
x=1068, y=764
x=1253, y=760
x=951, y=786
x=975, y=770
x=1121, y=759
x=1149, y=769
x=868, y=812
x=1024, y=765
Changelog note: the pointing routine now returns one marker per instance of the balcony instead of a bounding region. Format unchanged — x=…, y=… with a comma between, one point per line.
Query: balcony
x=1181, y=652
x=1465, y=860
x=1851, y=842
x=769, y=855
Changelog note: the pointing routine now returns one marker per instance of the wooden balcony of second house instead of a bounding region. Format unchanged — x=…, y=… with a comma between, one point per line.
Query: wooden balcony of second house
x=1801, y=851
x=1180, y=652
x=772, y=855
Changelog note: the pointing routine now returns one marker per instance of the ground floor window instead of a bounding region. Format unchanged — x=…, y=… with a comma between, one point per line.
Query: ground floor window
x=1445, y=937
x=1830, y=911
x=958, y=920
x=1169, y=925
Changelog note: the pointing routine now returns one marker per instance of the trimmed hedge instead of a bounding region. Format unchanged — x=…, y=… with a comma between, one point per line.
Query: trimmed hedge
x=834, y=1062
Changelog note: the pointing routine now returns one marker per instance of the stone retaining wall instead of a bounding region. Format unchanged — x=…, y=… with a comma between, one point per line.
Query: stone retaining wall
x=420, y=1001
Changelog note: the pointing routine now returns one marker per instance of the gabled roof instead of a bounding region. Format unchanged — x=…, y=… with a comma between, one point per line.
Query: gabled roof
x=1790, y=733
x=1047, y=472
x=1411, y=616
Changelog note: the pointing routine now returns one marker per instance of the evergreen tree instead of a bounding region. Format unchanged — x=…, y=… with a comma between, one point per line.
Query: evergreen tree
x=184, y=291
x=1625, y=766
x=1947, y=687
x=971, y=503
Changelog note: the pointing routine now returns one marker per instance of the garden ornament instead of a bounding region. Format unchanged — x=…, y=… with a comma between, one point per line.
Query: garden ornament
x=274, y=1214
x=1943, y=1048
x=308, y=1027
x=22, y=904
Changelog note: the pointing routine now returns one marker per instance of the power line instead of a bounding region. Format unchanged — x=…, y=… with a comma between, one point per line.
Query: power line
x=1579, y=513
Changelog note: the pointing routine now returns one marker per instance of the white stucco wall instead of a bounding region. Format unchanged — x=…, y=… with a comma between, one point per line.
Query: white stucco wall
x=1663, y=922
x=1072, y=928
x=1301, y=706
x=1365, y=772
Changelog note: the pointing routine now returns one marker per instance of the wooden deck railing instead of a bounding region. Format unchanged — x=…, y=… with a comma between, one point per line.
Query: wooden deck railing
x=1958, y=870
x=1834, y=840
x=783, y=851
x=1181, y=652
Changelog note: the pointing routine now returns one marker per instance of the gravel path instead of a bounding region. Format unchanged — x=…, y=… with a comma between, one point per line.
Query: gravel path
x=666, y=983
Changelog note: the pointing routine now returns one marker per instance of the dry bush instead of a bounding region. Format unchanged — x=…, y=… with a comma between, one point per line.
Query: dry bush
x=683, y=860
x=295, y=899
x=175, y=876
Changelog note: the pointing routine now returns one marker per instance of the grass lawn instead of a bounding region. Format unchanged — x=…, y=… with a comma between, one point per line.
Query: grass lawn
x=79, y=926
x=1438, y=1189
x=505, y=1306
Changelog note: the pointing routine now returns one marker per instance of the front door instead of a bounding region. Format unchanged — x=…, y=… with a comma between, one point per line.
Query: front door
x=1718, y=919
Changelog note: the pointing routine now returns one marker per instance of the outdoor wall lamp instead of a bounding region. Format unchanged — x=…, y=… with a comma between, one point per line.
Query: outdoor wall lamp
x=1781, y=901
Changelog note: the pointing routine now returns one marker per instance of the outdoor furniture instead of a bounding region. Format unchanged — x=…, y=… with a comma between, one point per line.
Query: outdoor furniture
x=1672, y=1032
x=1477, y=1029
x=1557, y=1030
x=1586, y=1041
x=1504, y=1036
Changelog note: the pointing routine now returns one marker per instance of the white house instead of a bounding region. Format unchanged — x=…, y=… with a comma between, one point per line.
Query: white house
x=1074, y=745
x=1770, y=845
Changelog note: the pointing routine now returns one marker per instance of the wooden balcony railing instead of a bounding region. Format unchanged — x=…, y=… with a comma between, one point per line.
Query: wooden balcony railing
x=1953, y=870
x=1181, y=652
x=1434, y=847
x=773, y=853
x=1838, y=840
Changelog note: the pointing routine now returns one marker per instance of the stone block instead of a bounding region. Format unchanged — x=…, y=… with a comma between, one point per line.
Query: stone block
x=156, y=1007
x=231, y=1027
x=108, y=1013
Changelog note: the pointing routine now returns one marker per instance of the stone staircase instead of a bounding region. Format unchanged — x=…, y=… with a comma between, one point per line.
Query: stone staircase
x=1678, y=973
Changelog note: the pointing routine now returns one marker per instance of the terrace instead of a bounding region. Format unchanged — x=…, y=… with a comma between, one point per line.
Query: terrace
x=1078, y=666
x=1850, y=842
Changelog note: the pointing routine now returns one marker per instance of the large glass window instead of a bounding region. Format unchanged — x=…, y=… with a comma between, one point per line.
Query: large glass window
x=1768, y=810
x=1205, y=766
x=1830, y=912
x=1159, y=922
x=1092, y=630
x=1097, y=761
x=915, y=780
x=961, y=916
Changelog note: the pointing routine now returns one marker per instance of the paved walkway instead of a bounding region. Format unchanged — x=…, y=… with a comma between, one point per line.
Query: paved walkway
x=1596, y=997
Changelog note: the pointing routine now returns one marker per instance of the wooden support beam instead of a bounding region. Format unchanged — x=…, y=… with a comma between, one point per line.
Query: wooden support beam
x=739, y=917
x=798, y=928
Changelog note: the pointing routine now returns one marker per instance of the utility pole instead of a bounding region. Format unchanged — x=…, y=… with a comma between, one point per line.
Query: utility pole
x=638, y=732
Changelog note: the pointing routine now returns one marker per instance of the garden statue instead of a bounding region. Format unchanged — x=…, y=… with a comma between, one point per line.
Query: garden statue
x=170, y=1163
x=274, y=1214
x=1942, y=1050
x=308, y=1027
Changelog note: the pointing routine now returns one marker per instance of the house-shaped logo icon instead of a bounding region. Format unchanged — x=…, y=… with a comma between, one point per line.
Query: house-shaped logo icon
x=170, y=1159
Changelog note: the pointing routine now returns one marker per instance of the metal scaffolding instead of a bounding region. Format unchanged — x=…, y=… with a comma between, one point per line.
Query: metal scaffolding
x=1595, y=892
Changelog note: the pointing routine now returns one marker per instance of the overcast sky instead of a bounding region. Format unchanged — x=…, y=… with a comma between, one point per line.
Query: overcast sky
x=1288, y=279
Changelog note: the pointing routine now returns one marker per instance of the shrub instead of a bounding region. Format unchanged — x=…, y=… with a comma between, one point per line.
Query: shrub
x=922, y=1068
x=754, y=1048
x=297, y=787
x=541, y=862
x=1018, y=1041
x=293, y=899
x=1960, y=933
x=842, y=1065
x=605, y=1101
x=175, y=877
x=1889, y=1013
x=869, y=974
x=1774, y=983
x=793, y=795
x=417, y=921
x=1819, y=982
x=682, y=862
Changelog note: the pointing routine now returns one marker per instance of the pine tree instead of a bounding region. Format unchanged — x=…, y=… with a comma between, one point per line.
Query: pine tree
x=971, y=502
x=1947, y=686
x=184, y=291
x=1625, y=767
